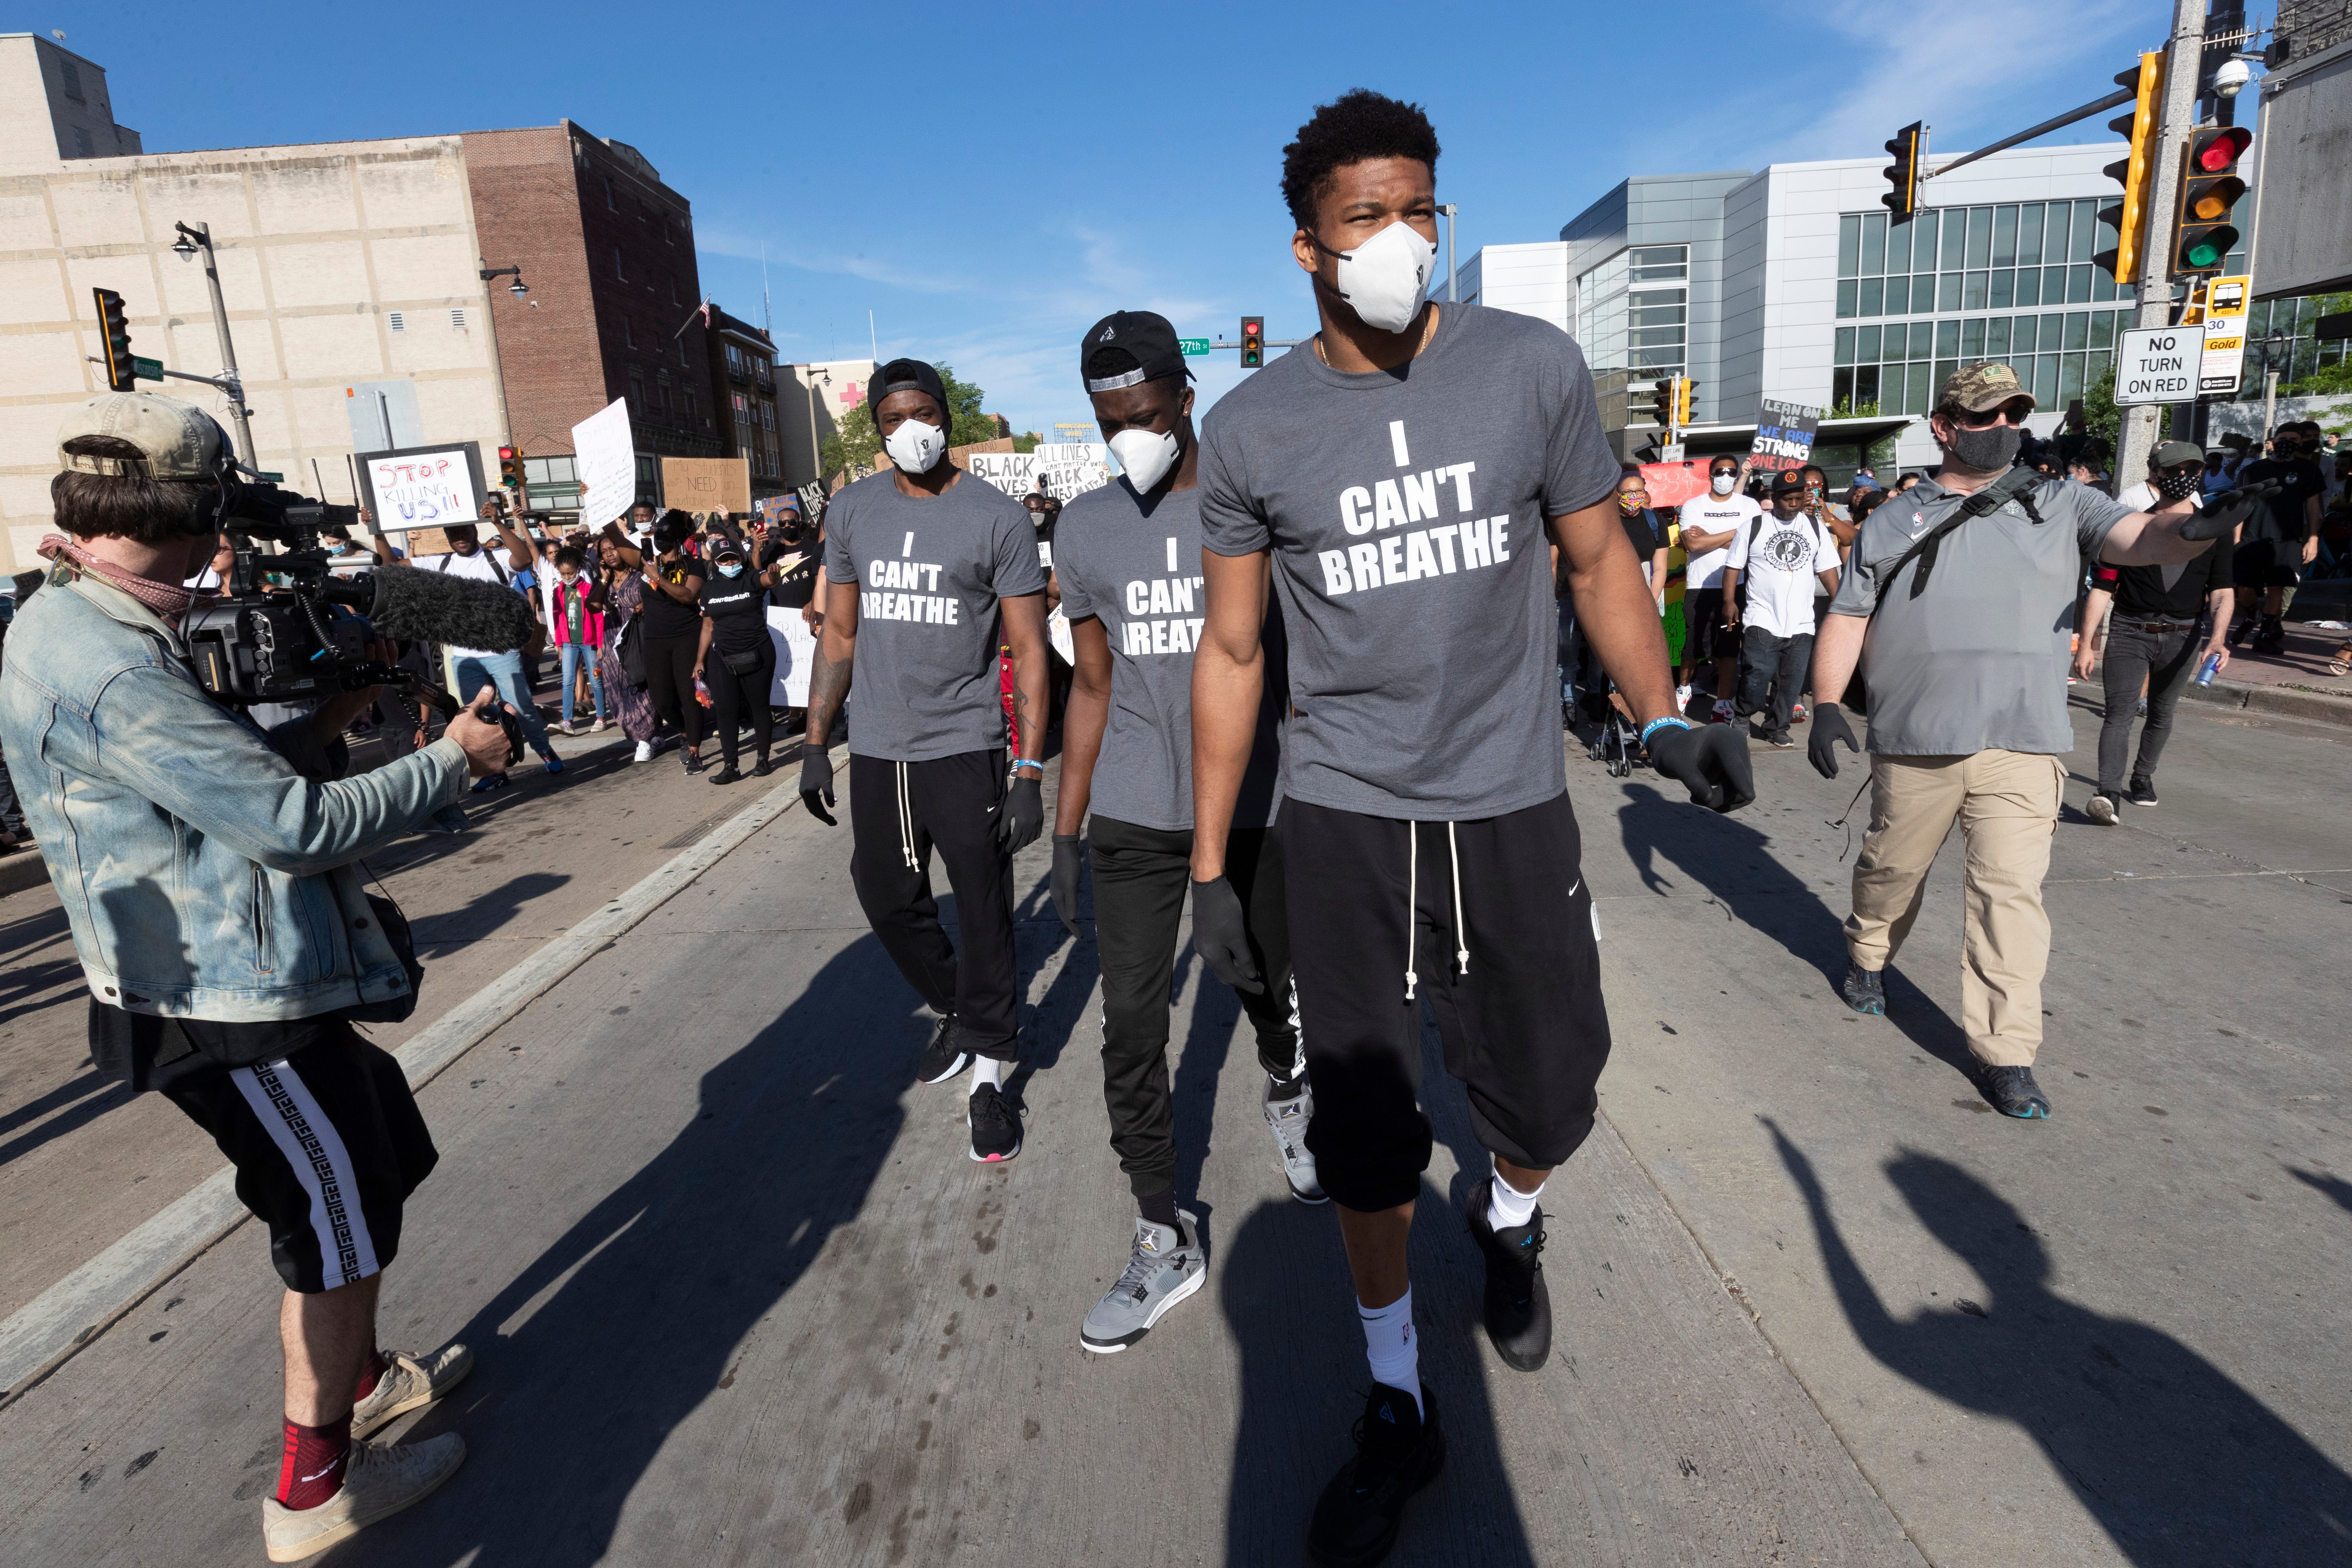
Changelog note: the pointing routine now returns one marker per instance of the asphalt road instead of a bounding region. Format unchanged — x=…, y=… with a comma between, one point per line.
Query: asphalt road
x=739, y=1296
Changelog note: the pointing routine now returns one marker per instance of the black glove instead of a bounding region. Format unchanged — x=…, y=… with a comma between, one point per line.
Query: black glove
x=1220, y=936
x=1023, y=816
x=2226, y=511
x=1829, y=728
x=1711, y=762
x=1067, y=855
x=816, y=781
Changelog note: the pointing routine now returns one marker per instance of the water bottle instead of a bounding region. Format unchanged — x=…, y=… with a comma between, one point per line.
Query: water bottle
x=2206, y=670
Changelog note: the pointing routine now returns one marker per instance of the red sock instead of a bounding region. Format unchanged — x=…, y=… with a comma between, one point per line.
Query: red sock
x=376, y=1363
x=312, y=1468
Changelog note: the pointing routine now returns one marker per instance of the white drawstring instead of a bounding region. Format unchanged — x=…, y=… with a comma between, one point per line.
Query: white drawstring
x=1411, y=902
x=906, y=821
x=1461, y=937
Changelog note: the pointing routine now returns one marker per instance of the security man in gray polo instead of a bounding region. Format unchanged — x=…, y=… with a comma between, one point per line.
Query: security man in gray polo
x=1957, y=604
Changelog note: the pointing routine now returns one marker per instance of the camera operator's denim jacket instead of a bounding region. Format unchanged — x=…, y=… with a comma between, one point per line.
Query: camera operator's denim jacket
x=203, y=874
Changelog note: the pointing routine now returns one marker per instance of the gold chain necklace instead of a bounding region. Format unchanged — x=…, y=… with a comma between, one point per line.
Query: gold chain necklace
x=1428, y=331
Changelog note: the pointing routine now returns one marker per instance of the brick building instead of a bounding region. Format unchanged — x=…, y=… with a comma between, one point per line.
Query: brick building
x=743, y=360
x=608, y=251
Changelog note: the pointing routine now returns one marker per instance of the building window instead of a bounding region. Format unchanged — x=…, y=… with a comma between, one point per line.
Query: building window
x=693, y=412
x=767, y=416
x=735, y=362
x=669, y=235
x=620, y=267
x=457, y=321
x=1633, y=310
x=636, y=392
x=1973, y=258
x=681, y=348
x=398, y=320
x=73, y=80
x=673, y=289
x=742, y=417
x=628, y=333
x=610, y=205
x=552, y=482
x=1893, y=368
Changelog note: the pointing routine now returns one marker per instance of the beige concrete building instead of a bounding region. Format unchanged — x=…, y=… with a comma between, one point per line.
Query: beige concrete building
x=342, y=263
x=810, y=402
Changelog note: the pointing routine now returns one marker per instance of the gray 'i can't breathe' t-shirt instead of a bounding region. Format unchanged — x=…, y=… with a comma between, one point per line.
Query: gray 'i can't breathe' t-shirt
x=1134, y=565
x=1405, y=511
x=930, y=571
x=1978, y=662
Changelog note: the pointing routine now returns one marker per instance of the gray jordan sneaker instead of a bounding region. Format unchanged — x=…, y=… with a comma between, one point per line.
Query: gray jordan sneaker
x=1165, y=1267
x=1289, y=1120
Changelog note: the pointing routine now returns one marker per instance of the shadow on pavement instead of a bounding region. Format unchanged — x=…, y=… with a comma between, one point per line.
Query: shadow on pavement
x=484, y=914
x=1286, y=1294
x=102, y=1097
x=2179, y=1465
x=1733, y=861
x=2334, y=1186
x=655, y=1290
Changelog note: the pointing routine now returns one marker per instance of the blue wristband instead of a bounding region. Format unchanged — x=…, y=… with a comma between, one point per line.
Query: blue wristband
x=1653, y=726
x=1020, y=763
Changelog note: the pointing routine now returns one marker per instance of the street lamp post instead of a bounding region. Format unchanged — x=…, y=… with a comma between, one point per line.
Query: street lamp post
x=518, y=289
x=1453, y=262
x=816, y=459
x=191, y=241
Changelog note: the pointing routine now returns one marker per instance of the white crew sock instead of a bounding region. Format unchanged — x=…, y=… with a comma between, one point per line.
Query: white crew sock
x=988, y=1069
x=1390, y=1344
x=1507, y=1207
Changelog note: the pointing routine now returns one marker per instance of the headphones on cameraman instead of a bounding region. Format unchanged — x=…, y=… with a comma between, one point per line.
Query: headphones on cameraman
x=218, y=501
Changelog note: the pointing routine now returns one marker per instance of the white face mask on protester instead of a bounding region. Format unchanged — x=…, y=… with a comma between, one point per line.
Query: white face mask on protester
x=1386, y=278
x=1145, y=457
x=1721, y=484
x=916, y=447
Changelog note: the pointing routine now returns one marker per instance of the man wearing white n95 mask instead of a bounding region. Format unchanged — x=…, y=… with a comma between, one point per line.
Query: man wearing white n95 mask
x=1128, y=564
x=1393, y=483
x=922, y=565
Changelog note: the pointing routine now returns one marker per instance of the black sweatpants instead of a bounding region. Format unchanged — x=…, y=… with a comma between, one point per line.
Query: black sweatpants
x=1140, y=878
x=741, y=697
x=1772, y=672
x=898, y=813
x=1375, y=926
x=669, y=680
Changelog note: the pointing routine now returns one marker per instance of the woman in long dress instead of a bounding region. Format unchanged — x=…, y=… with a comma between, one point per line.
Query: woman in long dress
x=625, y=586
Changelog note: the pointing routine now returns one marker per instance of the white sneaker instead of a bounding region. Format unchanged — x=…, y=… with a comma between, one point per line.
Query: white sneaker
x=597, y=728
x=1289, y=1120
x=409, y=1383
x=380, y=1479
x=1682, y=699
x=645, y=751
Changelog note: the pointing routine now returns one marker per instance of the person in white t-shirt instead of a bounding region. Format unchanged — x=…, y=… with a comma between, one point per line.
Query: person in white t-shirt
x=1709, y=523
x=1780, y=555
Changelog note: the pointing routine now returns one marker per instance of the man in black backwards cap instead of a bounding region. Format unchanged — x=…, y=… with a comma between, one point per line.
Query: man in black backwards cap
x=923, y=562
x=1128, y=561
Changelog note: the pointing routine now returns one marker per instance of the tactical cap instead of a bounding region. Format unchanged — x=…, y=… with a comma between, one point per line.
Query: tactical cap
x=177, y=440
x=1982, y=387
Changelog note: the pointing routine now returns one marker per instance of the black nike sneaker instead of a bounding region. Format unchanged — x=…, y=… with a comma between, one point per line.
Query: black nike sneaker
x=1399, y=1450
x=1519, y=1303
x=942, y=1058
x=995, y=1126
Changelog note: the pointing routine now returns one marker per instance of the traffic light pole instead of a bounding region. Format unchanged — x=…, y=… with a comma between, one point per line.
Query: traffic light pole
x=230, y=382
x=2142, y=423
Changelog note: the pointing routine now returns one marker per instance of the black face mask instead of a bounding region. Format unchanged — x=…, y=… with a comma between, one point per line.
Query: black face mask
x=2173, y=486
x=1989, y=451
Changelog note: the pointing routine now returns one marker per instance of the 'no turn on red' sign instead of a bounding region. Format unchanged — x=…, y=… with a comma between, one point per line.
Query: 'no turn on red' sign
x=2158, y=364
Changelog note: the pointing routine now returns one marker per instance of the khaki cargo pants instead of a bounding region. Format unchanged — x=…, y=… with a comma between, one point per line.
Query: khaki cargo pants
x=2007, y=806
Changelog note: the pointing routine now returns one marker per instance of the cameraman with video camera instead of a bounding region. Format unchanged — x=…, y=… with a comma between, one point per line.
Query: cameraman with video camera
x=207, y=869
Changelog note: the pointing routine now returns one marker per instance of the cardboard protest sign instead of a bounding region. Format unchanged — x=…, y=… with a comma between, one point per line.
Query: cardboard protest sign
x=422, y=487
x=707, y=484
x=1014, y=473
x=1067, y=469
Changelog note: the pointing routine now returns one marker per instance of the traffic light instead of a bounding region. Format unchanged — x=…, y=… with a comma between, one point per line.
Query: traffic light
x=115, y=333
x=2210, y=187
x=510, y=469
x=1909, y=149
x=1661, y=403
x=2133, y=172
x=1253, y=342
x=1684, y=390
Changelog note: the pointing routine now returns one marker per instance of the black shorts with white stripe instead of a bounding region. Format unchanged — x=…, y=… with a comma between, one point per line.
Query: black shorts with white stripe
x=328, y=1143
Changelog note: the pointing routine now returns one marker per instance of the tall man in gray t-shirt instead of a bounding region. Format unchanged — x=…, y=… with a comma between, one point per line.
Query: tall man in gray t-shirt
x=922, y=564
x=1392, y=484
x=1127, y=556
x=1963, y=646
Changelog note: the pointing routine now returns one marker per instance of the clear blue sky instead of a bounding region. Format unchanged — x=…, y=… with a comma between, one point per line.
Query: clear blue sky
x=988, y=184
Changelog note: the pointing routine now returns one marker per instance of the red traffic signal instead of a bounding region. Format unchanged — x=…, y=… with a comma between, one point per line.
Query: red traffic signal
x=1253, y=342
x=510, y=469
x=2213, y=152
x=2209, y=191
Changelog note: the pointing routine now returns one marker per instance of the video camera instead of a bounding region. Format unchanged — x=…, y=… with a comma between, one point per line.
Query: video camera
x=309, y=638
